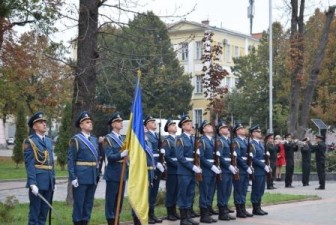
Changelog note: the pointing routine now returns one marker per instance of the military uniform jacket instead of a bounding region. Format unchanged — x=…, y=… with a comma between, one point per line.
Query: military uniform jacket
x=39, y=162
x=169, y=145
x=185, y=154
x=241, y=150
x=80, y=152
x=112, y=152
x=153, y=143
x=290, y=148
x=224, y=149
x=306, y=154
x=319, y=149
x=258, y=151
x=206, y=147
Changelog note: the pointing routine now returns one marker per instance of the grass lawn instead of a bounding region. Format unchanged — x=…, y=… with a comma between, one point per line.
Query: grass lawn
x=19, y=213
x=8, y=170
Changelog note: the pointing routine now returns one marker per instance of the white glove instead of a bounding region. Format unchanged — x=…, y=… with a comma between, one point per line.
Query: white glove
x=198, y=152
x=34, y=189
x=232, y=169
x=267, y=153
x=267, y=169
x=124, y=153
x=215, y=169
x=196, y=169
x=75, y=183
x=218, y=154
x=160, y=167
x=251, y=154
x=234, y=153
x=249, y=170
x=162, y=151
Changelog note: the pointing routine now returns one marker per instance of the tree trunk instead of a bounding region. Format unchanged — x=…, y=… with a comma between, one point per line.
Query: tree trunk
x=85, y=74
x=312, y=80
x=296, y=60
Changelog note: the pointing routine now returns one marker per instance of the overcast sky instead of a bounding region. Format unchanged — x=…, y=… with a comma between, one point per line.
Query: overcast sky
x=229, y=14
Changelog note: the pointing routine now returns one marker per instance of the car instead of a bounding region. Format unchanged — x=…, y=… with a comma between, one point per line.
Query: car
x=10, y=141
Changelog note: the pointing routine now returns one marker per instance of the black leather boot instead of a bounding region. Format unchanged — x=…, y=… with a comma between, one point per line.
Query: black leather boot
x=256, y=210
x=223, y=215
x=110, y=221
x=205, y=216
x=227, y=211
x=244, y=211
x=212, y=211
x=84, y=222
x=264, y=212
x=77, y=223
x=184, y=217
x=175, y=212
x=240, y=213
x=152, y=218
x=170, y=214
x=189, y=215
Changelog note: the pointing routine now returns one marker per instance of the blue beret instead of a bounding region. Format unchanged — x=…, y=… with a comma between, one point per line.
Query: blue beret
x=183, y=120
x=115, y=117
x=254, y=128
x=148, y=118
x=39, y=116
x=168, y=123
x=237, y=127
x=82, y=116
x=204, y=123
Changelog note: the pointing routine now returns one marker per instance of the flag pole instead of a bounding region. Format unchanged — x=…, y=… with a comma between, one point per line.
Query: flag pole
x=121, y=183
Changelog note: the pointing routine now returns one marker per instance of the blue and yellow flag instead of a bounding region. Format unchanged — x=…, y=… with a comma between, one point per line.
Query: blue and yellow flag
x=137, y=187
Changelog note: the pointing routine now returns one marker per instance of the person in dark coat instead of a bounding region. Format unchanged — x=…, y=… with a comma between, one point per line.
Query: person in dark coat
x=320, y=149
x=39, y=163
x=290, y=148
x=306, y=158
x=272, y=149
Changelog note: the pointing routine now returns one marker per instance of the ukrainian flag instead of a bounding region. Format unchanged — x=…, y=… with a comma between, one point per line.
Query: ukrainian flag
x=137, y=187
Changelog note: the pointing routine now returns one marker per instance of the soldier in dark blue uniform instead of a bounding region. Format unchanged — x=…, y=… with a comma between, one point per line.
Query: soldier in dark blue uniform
x=224, y=186
x=153, y=142
x=114, y=155
x=39, y=162
x=83, y=169
x=186, y=171
x=260, y=170
x=169, y=146
x=209, y=170
x=241, y=185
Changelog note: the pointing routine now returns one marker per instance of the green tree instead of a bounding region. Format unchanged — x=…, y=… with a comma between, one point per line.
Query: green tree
x=20, y=135
x=144, y=44
x=62, y=143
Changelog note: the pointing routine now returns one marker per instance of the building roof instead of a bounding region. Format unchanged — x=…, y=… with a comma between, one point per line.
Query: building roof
x=205, y=26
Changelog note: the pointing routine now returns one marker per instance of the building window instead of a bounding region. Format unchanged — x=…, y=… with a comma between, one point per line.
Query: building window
x=198, y=84
x=236, y=52
x=184, y=50
x=199, y=50
x=228, y=53
x=198, y=116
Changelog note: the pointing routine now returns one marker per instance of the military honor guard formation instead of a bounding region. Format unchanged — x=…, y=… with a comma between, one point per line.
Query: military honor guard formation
x=219, y=158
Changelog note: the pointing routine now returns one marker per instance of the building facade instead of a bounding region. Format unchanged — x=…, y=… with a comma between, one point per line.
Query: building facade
x=186, y=38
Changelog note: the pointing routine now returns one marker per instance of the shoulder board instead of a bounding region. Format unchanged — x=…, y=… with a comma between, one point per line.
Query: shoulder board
x=73, y=141
x=237, y=143
x=179, y=142
x=25, y=144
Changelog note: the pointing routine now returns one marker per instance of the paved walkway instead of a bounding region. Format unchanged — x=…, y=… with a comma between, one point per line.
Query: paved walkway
x=316, y=212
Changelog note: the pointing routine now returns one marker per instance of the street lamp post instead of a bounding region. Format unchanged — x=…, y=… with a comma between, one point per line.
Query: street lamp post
x=270, y=69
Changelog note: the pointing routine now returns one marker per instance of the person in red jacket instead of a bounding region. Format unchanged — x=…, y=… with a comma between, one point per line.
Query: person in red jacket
x=280, y=161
